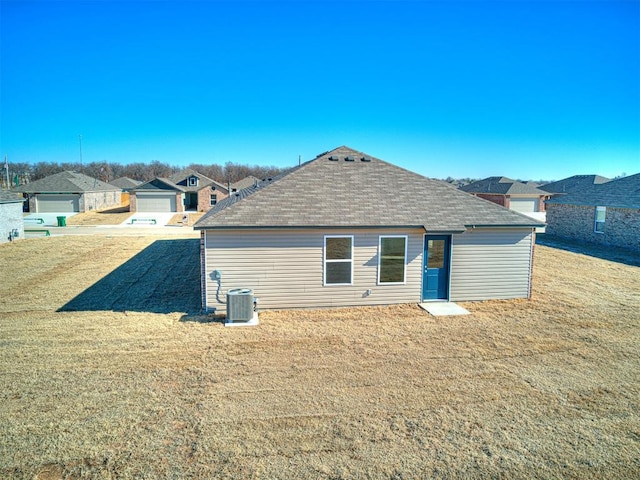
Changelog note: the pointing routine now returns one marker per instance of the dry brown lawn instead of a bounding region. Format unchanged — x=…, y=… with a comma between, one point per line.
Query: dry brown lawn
x=103, y=377
x=111, y=216
x=115, y=216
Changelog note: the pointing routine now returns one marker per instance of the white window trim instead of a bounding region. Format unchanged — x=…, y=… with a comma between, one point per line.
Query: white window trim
x=213, y=202
x=596, y=222
x=406, y=248
x=192, y=181
x=325, y=261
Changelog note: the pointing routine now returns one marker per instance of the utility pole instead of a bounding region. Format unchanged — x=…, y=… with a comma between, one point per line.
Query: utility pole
x=80, y=137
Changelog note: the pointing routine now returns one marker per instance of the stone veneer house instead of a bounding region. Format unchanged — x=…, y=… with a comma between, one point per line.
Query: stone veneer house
x=187, y=190
x=11, y=219
x=323, y=235
x=70, y=192
x=605, y=214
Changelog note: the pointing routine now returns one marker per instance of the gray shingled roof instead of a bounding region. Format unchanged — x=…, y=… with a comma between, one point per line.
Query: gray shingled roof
x=7, y=196
x=125, y=183
x=339, y=193
x=621, y=193
x=575, y=183
x=180, y=179
x=66, y=182
x=503, y=186
x=246, y=182
x=159, y=184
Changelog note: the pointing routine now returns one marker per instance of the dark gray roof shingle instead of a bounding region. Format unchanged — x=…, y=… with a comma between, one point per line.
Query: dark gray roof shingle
x=621, y=193
x=125, y=183
x=503, y=186
x=339, y=193
x=7, y=196
x=160, y=184
x=246, y=182
x=575, y=183
x=67, y=182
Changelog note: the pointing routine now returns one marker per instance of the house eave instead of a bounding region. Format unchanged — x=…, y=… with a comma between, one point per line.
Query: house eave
x=522, y=225
x=299, y=227
x=430, y=230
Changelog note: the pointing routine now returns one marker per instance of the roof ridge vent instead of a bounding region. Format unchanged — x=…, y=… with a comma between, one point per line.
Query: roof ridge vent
x=349, y=158
x=365, y=159
x=333, y=158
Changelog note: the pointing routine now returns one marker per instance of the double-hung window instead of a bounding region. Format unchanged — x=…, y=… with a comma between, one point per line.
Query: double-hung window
x=214, y=199
x=338, y=260
x=601, y=214
x=392, y=259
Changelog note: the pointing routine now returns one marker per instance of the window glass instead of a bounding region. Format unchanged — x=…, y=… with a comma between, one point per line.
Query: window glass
x=435, y=254
x=392, y=259
x=214, y=199
x=338, y=272
x=338, y=248
x=601, y=215
x=338, y=264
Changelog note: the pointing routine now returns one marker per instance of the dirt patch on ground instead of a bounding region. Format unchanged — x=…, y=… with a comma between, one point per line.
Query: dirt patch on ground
x=518, y=389
x=111, y=216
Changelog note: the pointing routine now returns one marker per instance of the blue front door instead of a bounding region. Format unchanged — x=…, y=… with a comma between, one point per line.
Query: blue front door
x=435, y=281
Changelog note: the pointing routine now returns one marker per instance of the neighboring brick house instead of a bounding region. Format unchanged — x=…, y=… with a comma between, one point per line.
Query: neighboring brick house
x=573, y=184
x=187, y=190
x=70, y=192
x=514, y=195
x=11, y=219
x=201, y=192
x=605, y=214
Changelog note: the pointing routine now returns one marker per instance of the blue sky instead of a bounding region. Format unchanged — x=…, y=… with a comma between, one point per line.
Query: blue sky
x=528, y=90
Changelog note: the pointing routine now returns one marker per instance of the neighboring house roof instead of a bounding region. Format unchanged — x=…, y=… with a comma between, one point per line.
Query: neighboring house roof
x=503, y=186
x=531, y=183
x=67, y=182
x=159, y=184
x=125, y=183
x=622, y=193
x=347, y=188
x=246, y=182
x=7, y=196
x=181, y=179
x=572, y=184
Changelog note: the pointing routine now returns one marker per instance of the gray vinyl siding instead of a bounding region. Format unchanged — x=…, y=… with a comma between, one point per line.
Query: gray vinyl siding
x=491, y=264
x=285, y=268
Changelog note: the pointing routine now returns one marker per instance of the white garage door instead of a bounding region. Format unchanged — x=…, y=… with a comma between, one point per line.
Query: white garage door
x=57, y=203
x=524, y=205
x=156, y=202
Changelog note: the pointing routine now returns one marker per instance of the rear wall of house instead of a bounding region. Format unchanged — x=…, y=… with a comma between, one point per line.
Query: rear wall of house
x=285, y=268
x=491, y=264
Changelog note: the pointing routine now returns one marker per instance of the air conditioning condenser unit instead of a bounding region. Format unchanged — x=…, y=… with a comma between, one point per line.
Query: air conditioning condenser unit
x=240, y=307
